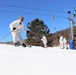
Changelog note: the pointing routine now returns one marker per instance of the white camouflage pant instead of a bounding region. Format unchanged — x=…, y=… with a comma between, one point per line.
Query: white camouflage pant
x=61, y=45
x=45, y=43
x=17, y=37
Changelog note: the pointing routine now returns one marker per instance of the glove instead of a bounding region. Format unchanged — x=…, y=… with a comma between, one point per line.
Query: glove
x=28, y=31
x=14, y=28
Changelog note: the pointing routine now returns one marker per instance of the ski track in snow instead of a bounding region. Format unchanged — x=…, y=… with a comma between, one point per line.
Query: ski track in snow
x=36, y=61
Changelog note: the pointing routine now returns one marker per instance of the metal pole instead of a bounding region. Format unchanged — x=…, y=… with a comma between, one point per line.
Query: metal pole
x=71, y=24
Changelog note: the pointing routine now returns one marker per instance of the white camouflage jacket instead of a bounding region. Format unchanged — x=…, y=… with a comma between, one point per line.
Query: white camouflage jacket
x=16, y=24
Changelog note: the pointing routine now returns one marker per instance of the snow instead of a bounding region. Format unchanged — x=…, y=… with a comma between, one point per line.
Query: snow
x=36, y=61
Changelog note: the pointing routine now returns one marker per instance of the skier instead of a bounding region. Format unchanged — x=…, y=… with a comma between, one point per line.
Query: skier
x=44, y=40
x=61, y=41
x=65, y=43
x=15, y=28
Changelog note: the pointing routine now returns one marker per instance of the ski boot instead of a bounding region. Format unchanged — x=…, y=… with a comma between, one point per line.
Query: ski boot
x=23, y=44
x=16, y=44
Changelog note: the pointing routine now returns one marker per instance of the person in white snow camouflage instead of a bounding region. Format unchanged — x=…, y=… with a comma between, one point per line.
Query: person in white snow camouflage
x=44, y=40
x=65, y=43
x=15, y=28
x=61, y=41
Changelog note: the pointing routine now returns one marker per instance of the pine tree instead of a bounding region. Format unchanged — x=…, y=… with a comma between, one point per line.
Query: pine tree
x=36, y=28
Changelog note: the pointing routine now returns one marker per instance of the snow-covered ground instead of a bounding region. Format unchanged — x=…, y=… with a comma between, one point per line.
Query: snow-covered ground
x=36, y=61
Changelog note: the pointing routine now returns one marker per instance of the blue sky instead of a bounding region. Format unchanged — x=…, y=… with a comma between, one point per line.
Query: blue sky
x=59, y=7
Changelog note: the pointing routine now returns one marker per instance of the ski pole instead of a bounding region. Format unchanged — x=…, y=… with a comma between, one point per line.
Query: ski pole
x=6, y=35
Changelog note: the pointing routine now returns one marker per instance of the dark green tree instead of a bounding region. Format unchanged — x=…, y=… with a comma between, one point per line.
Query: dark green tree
x=36, y=28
